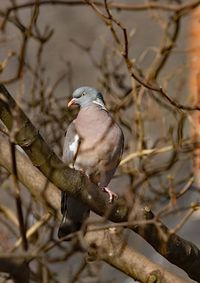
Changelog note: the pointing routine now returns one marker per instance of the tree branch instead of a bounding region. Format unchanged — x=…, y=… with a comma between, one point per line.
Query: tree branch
x=177, y=250
x=150, y=5
x=106, y=245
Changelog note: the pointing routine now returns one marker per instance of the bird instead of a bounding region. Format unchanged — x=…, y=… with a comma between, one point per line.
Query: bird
x=93, y=144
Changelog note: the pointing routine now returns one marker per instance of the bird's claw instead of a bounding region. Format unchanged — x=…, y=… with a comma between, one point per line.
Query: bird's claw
x=111, y=194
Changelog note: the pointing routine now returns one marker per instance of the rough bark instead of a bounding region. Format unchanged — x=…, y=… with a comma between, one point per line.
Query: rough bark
x=107, y=245
x=177, y=250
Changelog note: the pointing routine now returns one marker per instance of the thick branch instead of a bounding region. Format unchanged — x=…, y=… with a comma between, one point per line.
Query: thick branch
x=177, y=250
x=105, y=245
x=38, y=185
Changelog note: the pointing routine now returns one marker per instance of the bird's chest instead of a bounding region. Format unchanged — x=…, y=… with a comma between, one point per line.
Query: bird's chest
x=93, y=128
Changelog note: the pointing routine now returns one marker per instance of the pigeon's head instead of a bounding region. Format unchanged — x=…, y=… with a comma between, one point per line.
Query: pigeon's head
x=85, y=96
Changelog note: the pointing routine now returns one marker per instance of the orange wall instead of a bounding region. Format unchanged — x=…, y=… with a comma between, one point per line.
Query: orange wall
x=194, y=83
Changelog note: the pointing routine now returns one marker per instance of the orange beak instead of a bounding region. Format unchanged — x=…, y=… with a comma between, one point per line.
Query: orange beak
x=71, y=102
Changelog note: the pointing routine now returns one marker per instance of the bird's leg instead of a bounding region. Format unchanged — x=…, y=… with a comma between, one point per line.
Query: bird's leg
x=111, y=194
x=84, y=172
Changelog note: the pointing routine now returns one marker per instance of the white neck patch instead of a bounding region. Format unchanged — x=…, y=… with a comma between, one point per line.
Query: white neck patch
x=100, y=103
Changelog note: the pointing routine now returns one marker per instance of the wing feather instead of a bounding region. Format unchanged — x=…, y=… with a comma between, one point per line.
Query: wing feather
x=71, y=145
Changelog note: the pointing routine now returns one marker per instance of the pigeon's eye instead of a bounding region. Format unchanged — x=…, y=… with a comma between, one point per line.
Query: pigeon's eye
x=83, y=93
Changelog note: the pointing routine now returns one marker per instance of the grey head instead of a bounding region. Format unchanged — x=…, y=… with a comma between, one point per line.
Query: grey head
x=85, y=96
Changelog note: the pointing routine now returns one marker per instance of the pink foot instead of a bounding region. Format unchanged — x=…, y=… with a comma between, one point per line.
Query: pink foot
x=111, y=194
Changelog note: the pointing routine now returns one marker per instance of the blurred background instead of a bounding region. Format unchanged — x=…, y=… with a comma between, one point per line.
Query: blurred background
x=50, y=48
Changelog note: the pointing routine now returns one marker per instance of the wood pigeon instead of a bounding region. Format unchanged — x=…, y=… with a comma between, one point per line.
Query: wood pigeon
x=93, y=144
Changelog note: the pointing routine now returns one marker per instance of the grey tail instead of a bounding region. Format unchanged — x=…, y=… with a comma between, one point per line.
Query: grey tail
x=74, y=214
x=67, y=227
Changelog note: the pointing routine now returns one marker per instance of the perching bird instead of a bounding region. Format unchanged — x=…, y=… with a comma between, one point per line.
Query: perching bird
x=94, y=145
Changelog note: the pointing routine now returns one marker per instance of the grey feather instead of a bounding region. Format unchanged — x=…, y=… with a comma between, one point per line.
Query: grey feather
x=93, y=144
x=74, y=211
x=71, y=145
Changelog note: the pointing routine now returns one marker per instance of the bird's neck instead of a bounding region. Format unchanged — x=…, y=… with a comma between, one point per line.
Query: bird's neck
x=100, y=104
